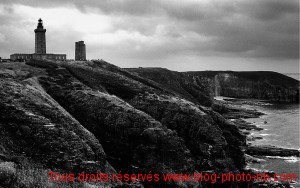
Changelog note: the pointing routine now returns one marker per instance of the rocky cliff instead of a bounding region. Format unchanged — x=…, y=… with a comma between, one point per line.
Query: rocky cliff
x=192, y=88
x=201, y=134
x=66, y=115
x=265, y=85
x=35, y=130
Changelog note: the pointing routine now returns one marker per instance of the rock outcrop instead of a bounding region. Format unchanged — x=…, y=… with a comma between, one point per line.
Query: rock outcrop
x=202, y=135
x=34, y=125
x=133, y=140
x=194, y=89
x=272, y=151
x=36, y=131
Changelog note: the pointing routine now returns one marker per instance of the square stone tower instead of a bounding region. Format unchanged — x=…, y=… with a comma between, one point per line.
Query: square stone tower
x=40, y=38
x=80, y=54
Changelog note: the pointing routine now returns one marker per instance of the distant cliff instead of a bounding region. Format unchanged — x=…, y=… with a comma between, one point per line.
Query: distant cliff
x=198, y=85
x=266, y=85
x=193, y=88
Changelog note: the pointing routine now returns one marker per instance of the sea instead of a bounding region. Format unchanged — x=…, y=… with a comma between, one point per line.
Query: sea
x=281, y=129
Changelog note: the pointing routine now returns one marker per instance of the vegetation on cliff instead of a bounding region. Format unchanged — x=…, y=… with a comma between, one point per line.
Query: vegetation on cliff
x=93, y=116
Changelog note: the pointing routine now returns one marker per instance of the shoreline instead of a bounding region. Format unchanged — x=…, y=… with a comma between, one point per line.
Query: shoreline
x=239, y=118
x=259, y=157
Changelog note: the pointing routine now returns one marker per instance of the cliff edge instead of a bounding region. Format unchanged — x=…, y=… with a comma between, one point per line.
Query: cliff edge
x=93, y=116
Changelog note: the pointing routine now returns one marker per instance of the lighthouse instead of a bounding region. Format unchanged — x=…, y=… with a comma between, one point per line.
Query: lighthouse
x=40, y=38
x=40, y=48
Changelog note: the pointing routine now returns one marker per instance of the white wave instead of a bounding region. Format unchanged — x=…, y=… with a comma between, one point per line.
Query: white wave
x=248, y=167
x=262, y=125
x=291, y=159
x=219, y=98
x=264, y=134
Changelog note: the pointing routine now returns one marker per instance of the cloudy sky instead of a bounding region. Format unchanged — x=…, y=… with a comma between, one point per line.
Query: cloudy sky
x=175, y=34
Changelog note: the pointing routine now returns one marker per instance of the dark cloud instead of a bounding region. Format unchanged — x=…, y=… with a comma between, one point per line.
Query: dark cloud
x=234, y=28
x=248, y=28
x=272, y=9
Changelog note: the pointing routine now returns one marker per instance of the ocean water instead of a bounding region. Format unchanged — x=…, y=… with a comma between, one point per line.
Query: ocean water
x=281, y=130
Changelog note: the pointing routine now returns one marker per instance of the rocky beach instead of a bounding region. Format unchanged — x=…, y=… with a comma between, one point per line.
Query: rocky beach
x=272, y=137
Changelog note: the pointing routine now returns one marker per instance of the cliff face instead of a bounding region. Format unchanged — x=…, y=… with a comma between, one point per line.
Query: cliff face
x=192, y=88
x=133, y=140
x=201, y=134
x=259, y=85
x=35, y=128
x=199, y=85
x=94, y=111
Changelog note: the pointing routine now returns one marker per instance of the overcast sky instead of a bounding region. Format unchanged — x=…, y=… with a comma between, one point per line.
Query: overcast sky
x=176, y=34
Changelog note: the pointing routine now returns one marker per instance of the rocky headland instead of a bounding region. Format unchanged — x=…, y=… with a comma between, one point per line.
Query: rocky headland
x=93, y=116
x=266, y=85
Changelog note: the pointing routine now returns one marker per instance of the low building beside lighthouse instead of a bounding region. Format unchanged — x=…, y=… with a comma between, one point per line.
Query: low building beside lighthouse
x=40, y=47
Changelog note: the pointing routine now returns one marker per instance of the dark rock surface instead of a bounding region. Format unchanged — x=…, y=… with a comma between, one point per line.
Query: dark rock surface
x=36, y=131
x=195, y=89
x=94, y=116
x=230, y=111
x=244, y=125
x=202, y=135
x=133, y=140
x=272, y=151
x=33, y=124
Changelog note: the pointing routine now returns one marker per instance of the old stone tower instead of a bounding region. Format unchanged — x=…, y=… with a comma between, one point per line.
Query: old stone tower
x=40, y=38
x=80, y=54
